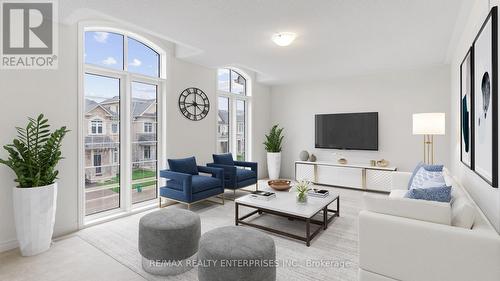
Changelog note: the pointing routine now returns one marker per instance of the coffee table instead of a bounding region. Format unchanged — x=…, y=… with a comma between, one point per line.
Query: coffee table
x=285, y=205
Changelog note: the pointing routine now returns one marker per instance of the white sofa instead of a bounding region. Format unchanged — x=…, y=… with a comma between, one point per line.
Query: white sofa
x=406, y=239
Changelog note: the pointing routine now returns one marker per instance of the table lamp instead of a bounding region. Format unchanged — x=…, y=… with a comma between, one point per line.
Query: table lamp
x=429, y=125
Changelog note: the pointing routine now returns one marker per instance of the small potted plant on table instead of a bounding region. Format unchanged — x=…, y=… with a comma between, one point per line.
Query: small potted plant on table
x=301, y=188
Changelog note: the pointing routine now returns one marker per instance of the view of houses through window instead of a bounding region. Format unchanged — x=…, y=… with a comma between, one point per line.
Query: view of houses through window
x=232, y=113
x=104, y=118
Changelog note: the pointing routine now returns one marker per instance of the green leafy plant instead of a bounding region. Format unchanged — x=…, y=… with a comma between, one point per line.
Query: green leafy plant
x=274, y=139
x=34, y=154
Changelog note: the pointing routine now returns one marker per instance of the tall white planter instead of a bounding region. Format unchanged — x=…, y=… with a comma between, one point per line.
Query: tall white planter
x=34, y=213
x=274, y=165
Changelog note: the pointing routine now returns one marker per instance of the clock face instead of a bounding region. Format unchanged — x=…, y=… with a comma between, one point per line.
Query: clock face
x=194, y=104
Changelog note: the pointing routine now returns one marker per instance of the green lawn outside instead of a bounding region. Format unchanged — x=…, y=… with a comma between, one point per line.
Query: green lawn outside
x=136, y=185
x=137, y=174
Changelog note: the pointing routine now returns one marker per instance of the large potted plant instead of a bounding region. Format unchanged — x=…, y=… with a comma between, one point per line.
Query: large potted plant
x=33, y=156
x=273, y=147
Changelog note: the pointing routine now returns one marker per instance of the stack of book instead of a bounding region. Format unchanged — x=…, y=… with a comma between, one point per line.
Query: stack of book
x=320, y=193
x=263, y=195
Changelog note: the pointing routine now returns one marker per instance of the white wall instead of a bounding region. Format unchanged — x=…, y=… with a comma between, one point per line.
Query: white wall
x=394, y=95
x=488, y=198
x=55, y=93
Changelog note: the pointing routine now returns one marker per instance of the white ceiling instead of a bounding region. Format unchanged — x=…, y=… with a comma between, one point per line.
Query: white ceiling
x=335, y=37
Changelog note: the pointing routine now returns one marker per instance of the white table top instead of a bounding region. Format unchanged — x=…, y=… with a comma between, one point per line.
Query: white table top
x=286, y=202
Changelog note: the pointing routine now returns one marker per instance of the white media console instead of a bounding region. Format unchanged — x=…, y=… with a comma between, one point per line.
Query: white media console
x=359, y=176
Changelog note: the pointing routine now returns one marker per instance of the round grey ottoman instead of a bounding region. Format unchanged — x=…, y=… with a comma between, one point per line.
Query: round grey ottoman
x=168, y=241
x=236, y=253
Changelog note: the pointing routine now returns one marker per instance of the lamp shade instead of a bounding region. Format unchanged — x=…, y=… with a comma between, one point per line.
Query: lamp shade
x=429, y=124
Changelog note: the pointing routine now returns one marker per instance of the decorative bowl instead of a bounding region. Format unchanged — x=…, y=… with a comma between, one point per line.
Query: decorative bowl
x=280, y=185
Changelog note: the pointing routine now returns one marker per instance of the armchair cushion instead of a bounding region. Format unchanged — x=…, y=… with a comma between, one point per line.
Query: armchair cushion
x=184, y=165
x=244, y=174
x=202, y=183
x=223, y=159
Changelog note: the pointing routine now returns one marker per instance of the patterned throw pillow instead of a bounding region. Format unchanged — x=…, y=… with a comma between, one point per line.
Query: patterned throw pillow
x=439, y=194
x=424, y=173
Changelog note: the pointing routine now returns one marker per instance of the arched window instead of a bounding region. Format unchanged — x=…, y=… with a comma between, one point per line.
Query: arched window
x=232, y=116
x=122, y=79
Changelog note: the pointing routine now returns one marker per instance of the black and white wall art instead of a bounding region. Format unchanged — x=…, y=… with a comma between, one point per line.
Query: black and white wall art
x=466, y=102
x=485, y=101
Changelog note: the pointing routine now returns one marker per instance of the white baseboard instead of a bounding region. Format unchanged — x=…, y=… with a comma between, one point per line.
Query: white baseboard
x=8, y=245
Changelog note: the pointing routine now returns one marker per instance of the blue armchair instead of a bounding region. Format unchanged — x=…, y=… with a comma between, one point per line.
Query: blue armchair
x=186, y=185
x=235, y=174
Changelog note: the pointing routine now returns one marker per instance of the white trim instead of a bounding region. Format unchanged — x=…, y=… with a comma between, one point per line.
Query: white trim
x=126, y=79
x=8, y=245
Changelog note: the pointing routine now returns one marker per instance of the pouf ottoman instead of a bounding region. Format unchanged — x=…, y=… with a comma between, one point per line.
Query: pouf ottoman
x=168, y=241
x=234, y=253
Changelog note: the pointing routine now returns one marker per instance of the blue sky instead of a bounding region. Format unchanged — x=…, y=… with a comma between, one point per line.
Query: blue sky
x=106, y=49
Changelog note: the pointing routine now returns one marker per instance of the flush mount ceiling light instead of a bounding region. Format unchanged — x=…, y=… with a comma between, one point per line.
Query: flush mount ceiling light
x=283, y=38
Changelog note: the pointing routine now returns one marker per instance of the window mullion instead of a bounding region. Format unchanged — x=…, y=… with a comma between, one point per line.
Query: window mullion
x=126, y=167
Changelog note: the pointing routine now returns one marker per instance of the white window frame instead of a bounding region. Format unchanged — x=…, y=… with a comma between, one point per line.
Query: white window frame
x=126, y=79
x=232, y=129
x=96, y=122
x=113, y=125
x=149, y=126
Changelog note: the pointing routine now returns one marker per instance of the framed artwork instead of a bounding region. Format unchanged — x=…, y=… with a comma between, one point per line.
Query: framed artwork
x=485, y=58
x=466, y=112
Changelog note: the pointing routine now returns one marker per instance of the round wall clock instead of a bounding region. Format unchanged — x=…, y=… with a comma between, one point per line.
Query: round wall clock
x=194, y=104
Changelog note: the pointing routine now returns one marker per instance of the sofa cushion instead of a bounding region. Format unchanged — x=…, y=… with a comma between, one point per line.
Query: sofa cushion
x=462, y=211
x=223, y=159
x=184, y=165
x=398, y=193
x=202, y=183
x=394, y=204
x=439, y=193
x=244, y=174
x=423, y=173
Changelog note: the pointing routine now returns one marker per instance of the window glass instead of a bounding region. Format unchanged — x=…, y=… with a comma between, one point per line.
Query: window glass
x=104, y=49
x=238, y=83
x=102, y=144
x=144, y=141
x=240, y=131
x=223, y=125
x=142, y=59
x=223, y=80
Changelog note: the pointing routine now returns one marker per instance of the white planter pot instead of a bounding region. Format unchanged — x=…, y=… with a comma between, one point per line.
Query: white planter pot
x=34, y=213
x=274, y=165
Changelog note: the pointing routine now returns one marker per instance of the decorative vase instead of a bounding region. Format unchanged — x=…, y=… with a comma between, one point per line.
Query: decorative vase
x=312, y=158
x=304, y=155
x=34, y=214
x=301, y=197
x=274, y=165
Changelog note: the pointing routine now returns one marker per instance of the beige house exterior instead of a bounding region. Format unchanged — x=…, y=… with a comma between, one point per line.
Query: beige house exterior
x=102, y=138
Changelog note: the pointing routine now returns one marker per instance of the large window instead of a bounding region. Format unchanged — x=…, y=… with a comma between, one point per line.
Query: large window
x=121, y=85
x=232, y=120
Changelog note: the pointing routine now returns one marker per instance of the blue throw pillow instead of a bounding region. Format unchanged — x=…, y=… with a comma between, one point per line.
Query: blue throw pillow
x=223, y=159
x=439, y=194
x=423, y=173
x=184, y=165
x=436, y=182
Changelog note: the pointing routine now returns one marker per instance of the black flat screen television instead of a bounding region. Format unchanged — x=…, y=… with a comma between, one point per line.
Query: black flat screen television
x=357, y=131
